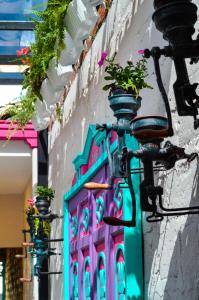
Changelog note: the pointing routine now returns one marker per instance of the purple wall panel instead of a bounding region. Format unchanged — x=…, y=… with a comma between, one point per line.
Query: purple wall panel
x=98, y=238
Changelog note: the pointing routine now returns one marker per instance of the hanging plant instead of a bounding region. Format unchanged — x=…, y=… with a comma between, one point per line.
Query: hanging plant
x=49, y=42
x=38, y=227
x=42, y=228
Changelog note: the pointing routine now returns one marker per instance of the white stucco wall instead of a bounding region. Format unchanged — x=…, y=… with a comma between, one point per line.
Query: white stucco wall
x=171, y=264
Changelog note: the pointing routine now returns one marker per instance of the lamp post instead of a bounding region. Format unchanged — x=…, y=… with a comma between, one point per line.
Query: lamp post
x=150, y=131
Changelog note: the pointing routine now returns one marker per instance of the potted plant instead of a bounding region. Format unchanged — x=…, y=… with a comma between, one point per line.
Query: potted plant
x=43, y=199
x=125, y=86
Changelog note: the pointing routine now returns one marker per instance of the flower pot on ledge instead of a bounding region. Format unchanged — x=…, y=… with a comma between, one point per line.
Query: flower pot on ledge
x=43, y=205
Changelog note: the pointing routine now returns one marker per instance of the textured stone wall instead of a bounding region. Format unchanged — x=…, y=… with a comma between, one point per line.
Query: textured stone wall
x=171, y=264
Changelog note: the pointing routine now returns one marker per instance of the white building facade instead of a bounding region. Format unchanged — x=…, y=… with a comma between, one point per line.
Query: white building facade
x=170, y=247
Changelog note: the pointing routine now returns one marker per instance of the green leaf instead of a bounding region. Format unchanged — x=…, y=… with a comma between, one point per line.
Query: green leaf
x=107, y=87
x=108, y=78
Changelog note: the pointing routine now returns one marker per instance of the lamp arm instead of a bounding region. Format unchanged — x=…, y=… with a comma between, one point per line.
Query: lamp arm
x=158, y=216
x=116, y=221
x=177, y=209
x=156, y=58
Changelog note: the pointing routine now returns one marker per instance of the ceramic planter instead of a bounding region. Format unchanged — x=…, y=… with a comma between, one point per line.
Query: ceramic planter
x=124, y=106
x=58, y=75
x=41, y=117
x=41, y=109
x=50, y=95
x=80, y=20
x=42, y=204
x=149, y=128
x=71, y=52
x=39, y=123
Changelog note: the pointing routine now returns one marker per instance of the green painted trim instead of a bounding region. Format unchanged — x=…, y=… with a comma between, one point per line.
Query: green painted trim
x=119, y=247
x=133, y=236
x=100, y=255
x=66, y=253
x=91, y=173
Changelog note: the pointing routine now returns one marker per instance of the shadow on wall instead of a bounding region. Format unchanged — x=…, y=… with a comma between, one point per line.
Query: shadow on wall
x=183, y=276
x=152, y=104
x=171, y=250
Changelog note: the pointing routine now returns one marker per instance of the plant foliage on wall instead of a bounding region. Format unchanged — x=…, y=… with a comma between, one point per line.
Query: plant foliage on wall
x=49, y=36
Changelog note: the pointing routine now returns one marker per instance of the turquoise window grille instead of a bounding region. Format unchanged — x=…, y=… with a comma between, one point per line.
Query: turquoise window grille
x=75, y=281
x=101, y=277
x=87, y=279
x=120, y=277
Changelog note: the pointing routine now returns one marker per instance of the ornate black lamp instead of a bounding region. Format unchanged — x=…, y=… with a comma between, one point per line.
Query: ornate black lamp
x=176, y=20
x=39, y=245
x=150, y=131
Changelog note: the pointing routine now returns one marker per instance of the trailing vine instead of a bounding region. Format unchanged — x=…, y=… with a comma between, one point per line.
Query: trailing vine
x=49, y=42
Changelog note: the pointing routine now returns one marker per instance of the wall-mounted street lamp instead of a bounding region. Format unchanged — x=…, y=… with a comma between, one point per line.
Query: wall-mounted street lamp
x=39, y=240
x=150, y=131
x=176, y=20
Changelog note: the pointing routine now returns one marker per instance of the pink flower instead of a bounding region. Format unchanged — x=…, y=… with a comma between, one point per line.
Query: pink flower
x=31, y=202
x=24, y=50
x=141, y=51
x=102, y=59
x=18, y=53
